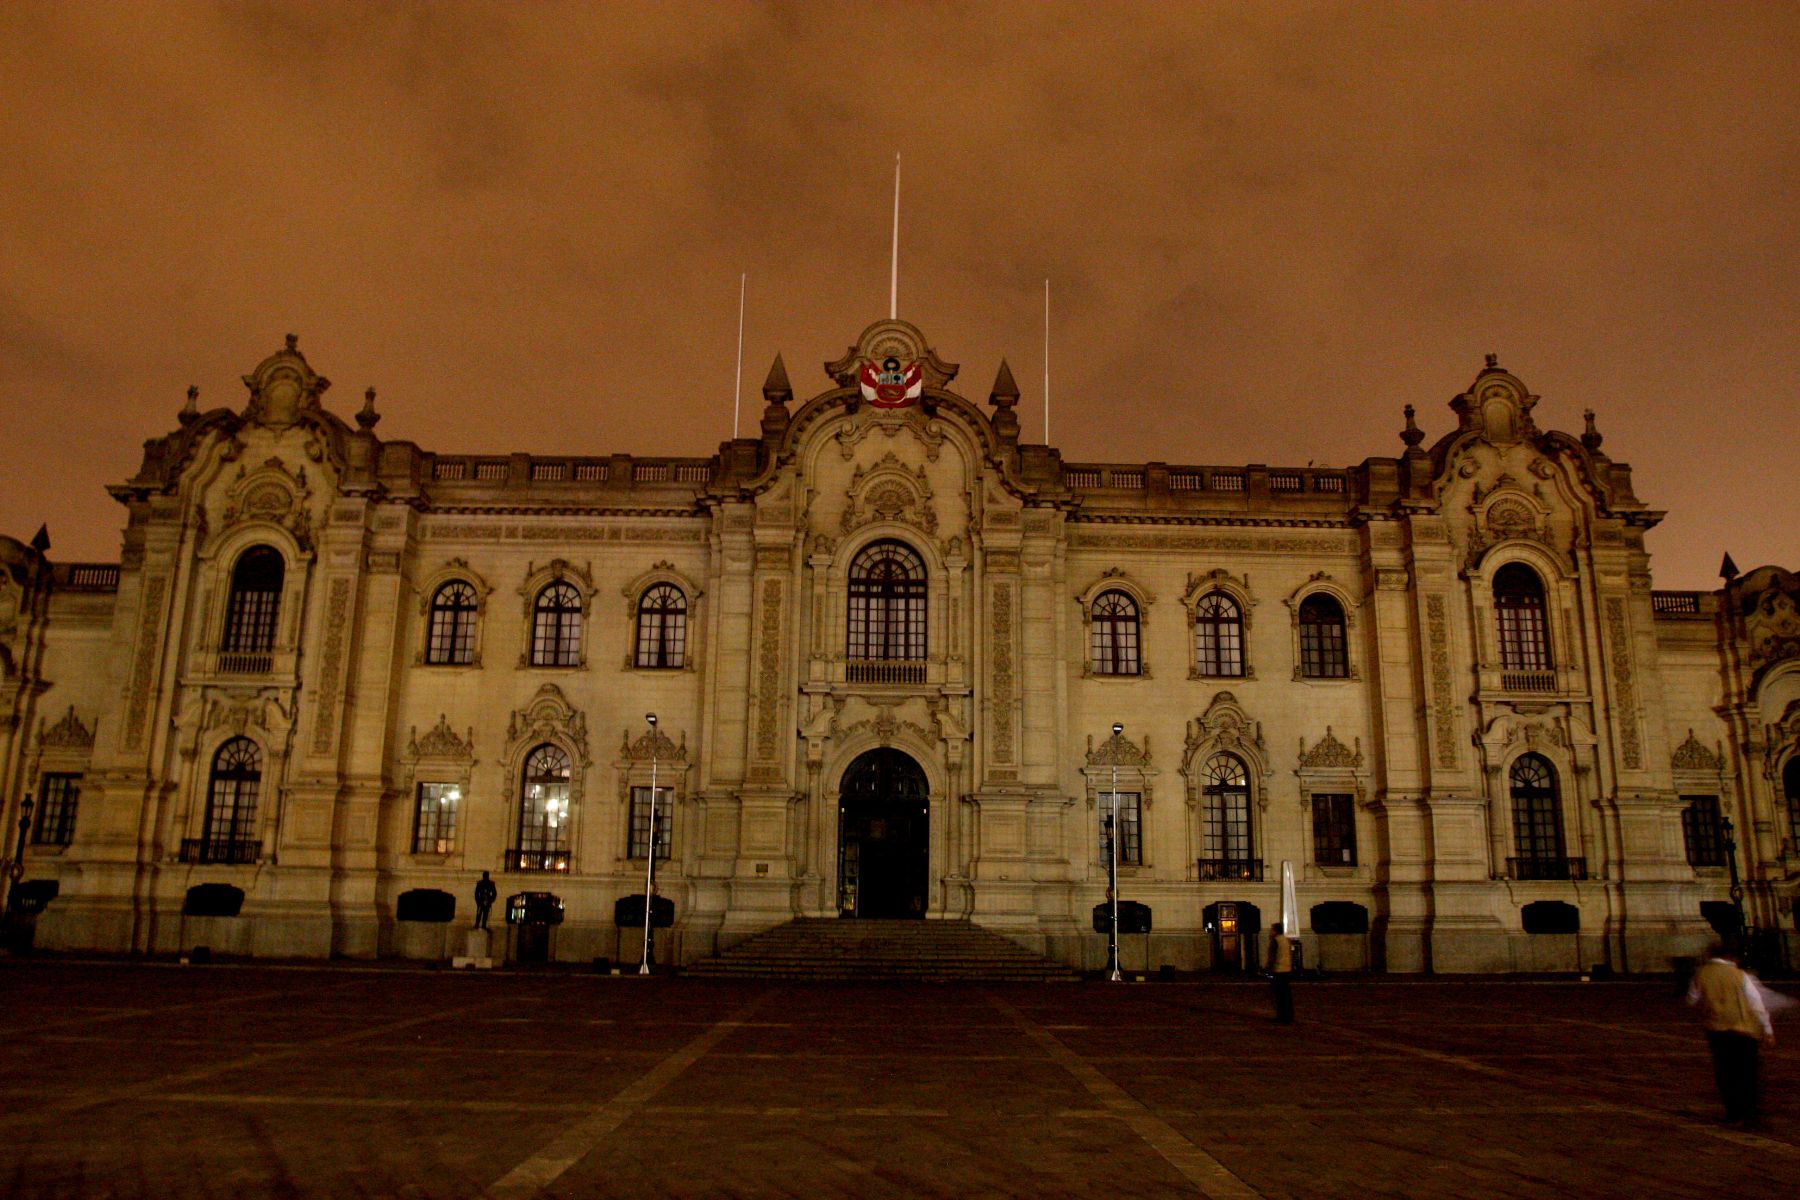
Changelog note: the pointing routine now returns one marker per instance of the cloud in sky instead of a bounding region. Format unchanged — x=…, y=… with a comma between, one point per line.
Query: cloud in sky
x=1268, y=227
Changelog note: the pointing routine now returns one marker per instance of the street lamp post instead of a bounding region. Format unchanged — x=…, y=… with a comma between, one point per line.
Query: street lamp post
x=1737, y=887
x=1112, y=868
x=650, y=870
x=15, y=869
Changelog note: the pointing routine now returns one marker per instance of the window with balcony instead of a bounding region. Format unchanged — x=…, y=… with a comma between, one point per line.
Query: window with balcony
x=886, y=629
x=450, y=640
x=1324, y=650
x=229, y=834
x=544, y=816
x=251, y=611
x=1519, y=611
x=1225, y=842
x=1218, y=636
x=556, y=627
x=1113, y=635
x=662, y=627
x=1537, y=823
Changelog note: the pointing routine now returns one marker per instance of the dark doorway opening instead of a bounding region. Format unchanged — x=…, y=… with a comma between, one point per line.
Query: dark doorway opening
x=884, y=818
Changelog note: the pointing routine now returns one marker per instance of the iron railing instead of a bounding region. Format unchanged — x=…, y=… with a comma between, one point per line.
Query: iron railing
x=220, y=850
x=1547, y=868
x=537, y=860
x=886, y=670
x=1232, y=868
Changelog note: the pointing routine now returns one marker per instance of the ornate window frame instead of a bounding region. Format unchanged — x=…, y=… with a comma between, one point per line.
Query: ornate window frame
x=1136, y=775
x=438, y=757
x=557, y=570
x=632, y=767
x=60, y=749
x=454, y=570
x=217, y=562
x=1115, y=579
x=547, y=718
x=1329, y=767
x=1559, y=598
x=1322, y=581
x=1696, y=770
x=1199, y=587
x=662, y=571
x=1226, y=727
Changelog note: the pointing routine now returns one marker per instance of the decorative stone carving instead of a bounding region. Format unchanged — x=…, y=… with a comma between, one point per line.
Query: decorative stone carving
x=440, y=741
x=1225, y=726
x=1624, y=685
x=1443, y=704
x=548, y=717
x=1330, y=754
x=1118, y=751
x=889, y=492
x=768, y=671
x=67, y=734
x=143, y=666
x=337, y=620
x=1000, y=658
x=652, y=743
x=1692, y=756
x=1770, y=602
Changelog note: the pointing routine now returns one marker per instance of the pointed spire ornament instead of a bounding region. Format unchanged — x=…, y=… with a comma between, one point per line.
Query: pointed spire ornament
x=1005, y=392
x=368, y=417
x=191, y=411
x=40, y=541
x=1728, y=570
x=776, y=388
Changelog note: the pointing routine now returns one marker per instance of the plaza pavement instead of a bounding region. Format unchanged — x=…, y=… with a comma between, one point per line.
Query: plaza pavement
x=129, y=1080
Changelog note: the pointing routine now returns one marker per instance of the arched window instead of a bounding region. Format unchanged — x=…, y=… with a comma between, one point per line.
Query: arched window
x=1218, y=636
x=543, y=812
x=1519, y=607
x=662, y=627
x=1323, y=651
x=887, y=604
x=1790, y=783
x=1113, y=634
x=1537, y=821
x=229, y=835
x=255, y=601
x=1225, y=845
x=556, y=627
x=451, y=638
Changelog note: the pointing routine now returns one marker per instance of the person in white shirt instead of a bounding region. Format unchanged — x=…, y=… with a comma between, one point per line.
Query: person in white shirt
x=1737, y=1026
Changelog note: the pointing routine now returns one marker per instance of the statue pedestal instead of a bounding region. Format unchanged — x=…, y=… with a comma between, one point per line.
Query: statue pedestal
x=477, y=952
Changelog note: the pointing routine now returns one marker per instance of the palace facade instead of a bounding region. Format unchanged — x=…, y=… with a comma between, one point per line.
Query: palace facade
x=335, y=677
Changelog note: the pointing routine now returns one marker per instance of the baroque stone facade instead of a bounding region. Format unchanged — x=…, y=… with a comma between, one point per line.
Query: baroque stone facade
x=887, y=644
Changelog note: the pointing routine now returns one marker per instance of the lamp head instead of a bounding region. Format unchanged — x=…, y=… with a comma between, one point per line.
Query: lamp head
x=651, y=717
x=1117, y=729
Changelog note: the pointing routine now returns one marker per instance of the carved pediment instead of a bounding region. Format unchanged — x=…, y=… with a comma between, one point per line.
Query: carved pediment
x=652, y=743
x=1225, y=726
x=440, y=741
x=1118, y=751
x=889, y=492
x=1329, y=754
x=67, y=734
x=1691, y=755
x=549, y=717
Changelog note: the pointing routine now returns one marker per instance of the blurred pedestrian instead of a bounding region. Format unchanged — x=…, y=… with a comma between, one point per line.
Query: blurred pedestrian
x=485, y=893
x=1737, y=1027
x=1281, y=975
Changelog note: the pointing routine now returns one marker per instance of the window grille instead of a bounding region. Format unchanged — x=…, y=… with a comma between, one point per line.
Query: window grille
x=662, y=627
x=1790, y=783
x=1218, y=636
x=1519, y=609
x=450, y=641
x=544, y=815
x=1225, y=817
x=1703, y=831
x=556, y=627
x=1113, y=635
x=1323, y=651
x=1334, y=829
x=255, y=601
x=434, y=820
x=1131, y=843
x=887, y=604
x=640, y=821
x=229, y=835
x=58, y=795
x=1537, y=813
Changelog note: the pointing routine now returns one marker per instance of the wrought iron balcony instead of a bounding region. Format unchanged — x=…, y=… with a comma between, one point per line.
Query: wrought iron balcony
x=537, y=860
x=241, y=663
x=1528, y=681
x=1232, y=868
x=886, y=670
x=220, y=850
x=1547, y=868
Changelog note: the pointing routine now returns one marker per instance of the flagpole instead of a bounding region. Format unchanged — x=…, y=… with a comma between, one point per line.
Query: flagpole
x=894, y=259
x=737, y=391
x=1046, y=362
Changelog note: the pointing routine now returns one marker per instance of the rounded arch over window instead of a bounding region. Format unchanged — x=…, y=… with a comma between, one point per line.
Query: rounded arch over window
x=544, y=810
x=1219, y=636
x=662, y=627
x=233, y=786
x=255, y=601
x=1537, y=818
x=1520, y=611
x=450, y=638
x=556, y=626
x=887, y=603
x=1113, y=634
x=1324, y=649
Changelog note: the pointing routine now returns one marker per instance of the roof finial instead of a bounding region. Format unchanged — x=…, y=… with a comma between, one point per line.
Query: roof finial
x=293, y=342
x=1590, y=437
x=776, y=388
x=1005, y=392
x=1728, y=570
x=191, y=412
x=1493, y=362
x=40, y=541
x=1412, y=435
x=368, y=416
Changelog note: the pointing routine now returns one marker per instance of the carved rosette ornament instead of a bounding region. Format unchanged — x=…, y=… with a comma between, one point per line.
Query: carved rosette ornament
x=889, y=493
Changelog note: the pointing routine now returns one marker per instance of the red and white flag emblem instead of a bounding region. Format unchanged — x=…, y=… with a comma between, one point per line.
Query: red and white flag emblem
x=890, y=383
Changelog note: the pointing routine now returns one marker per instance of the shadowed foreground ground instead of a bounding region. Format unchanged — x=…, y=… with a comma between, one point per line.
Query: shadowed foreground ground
x=225, y=1081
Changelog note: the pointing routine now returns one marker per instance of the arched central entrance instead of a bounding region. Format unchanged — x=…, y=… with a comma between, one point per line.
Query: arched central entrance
x=884, y=816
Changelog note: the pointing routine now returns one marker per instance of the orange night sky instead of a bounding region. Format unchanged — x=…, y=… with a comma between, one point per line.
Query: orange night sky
x=1267, y=226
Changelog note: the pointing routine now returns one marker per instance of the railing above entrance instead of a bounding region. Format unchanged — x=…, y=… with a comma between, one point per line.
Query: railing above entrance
x=886, y=670
x=1231, y=868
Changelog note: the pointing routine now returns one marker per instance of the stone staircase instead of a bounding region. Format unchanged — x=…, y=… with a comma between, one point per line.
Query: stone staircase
x=827, y=949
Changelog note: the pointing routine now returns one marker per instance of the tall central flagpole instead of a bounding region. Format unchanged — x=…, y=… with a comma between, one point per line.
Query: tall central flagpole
x=650, y=870
x=894, y=259
x=737, y=391
x=1046, y=362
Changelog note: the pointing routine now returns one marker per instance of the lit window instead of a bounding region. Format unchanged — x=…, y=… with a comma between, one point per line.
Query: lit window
x=544, y=816
x=434, y=823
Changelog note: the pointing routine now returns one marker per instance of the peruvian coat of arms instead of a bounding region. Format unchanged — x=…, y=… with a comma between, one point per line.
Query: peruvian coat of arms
x=890, y=384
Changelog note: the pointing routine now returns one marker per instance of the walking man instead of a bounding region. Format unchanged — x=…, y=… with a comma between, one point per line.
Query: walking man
x=1737, y=1026
x=485, y=892
x=1281, y=975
